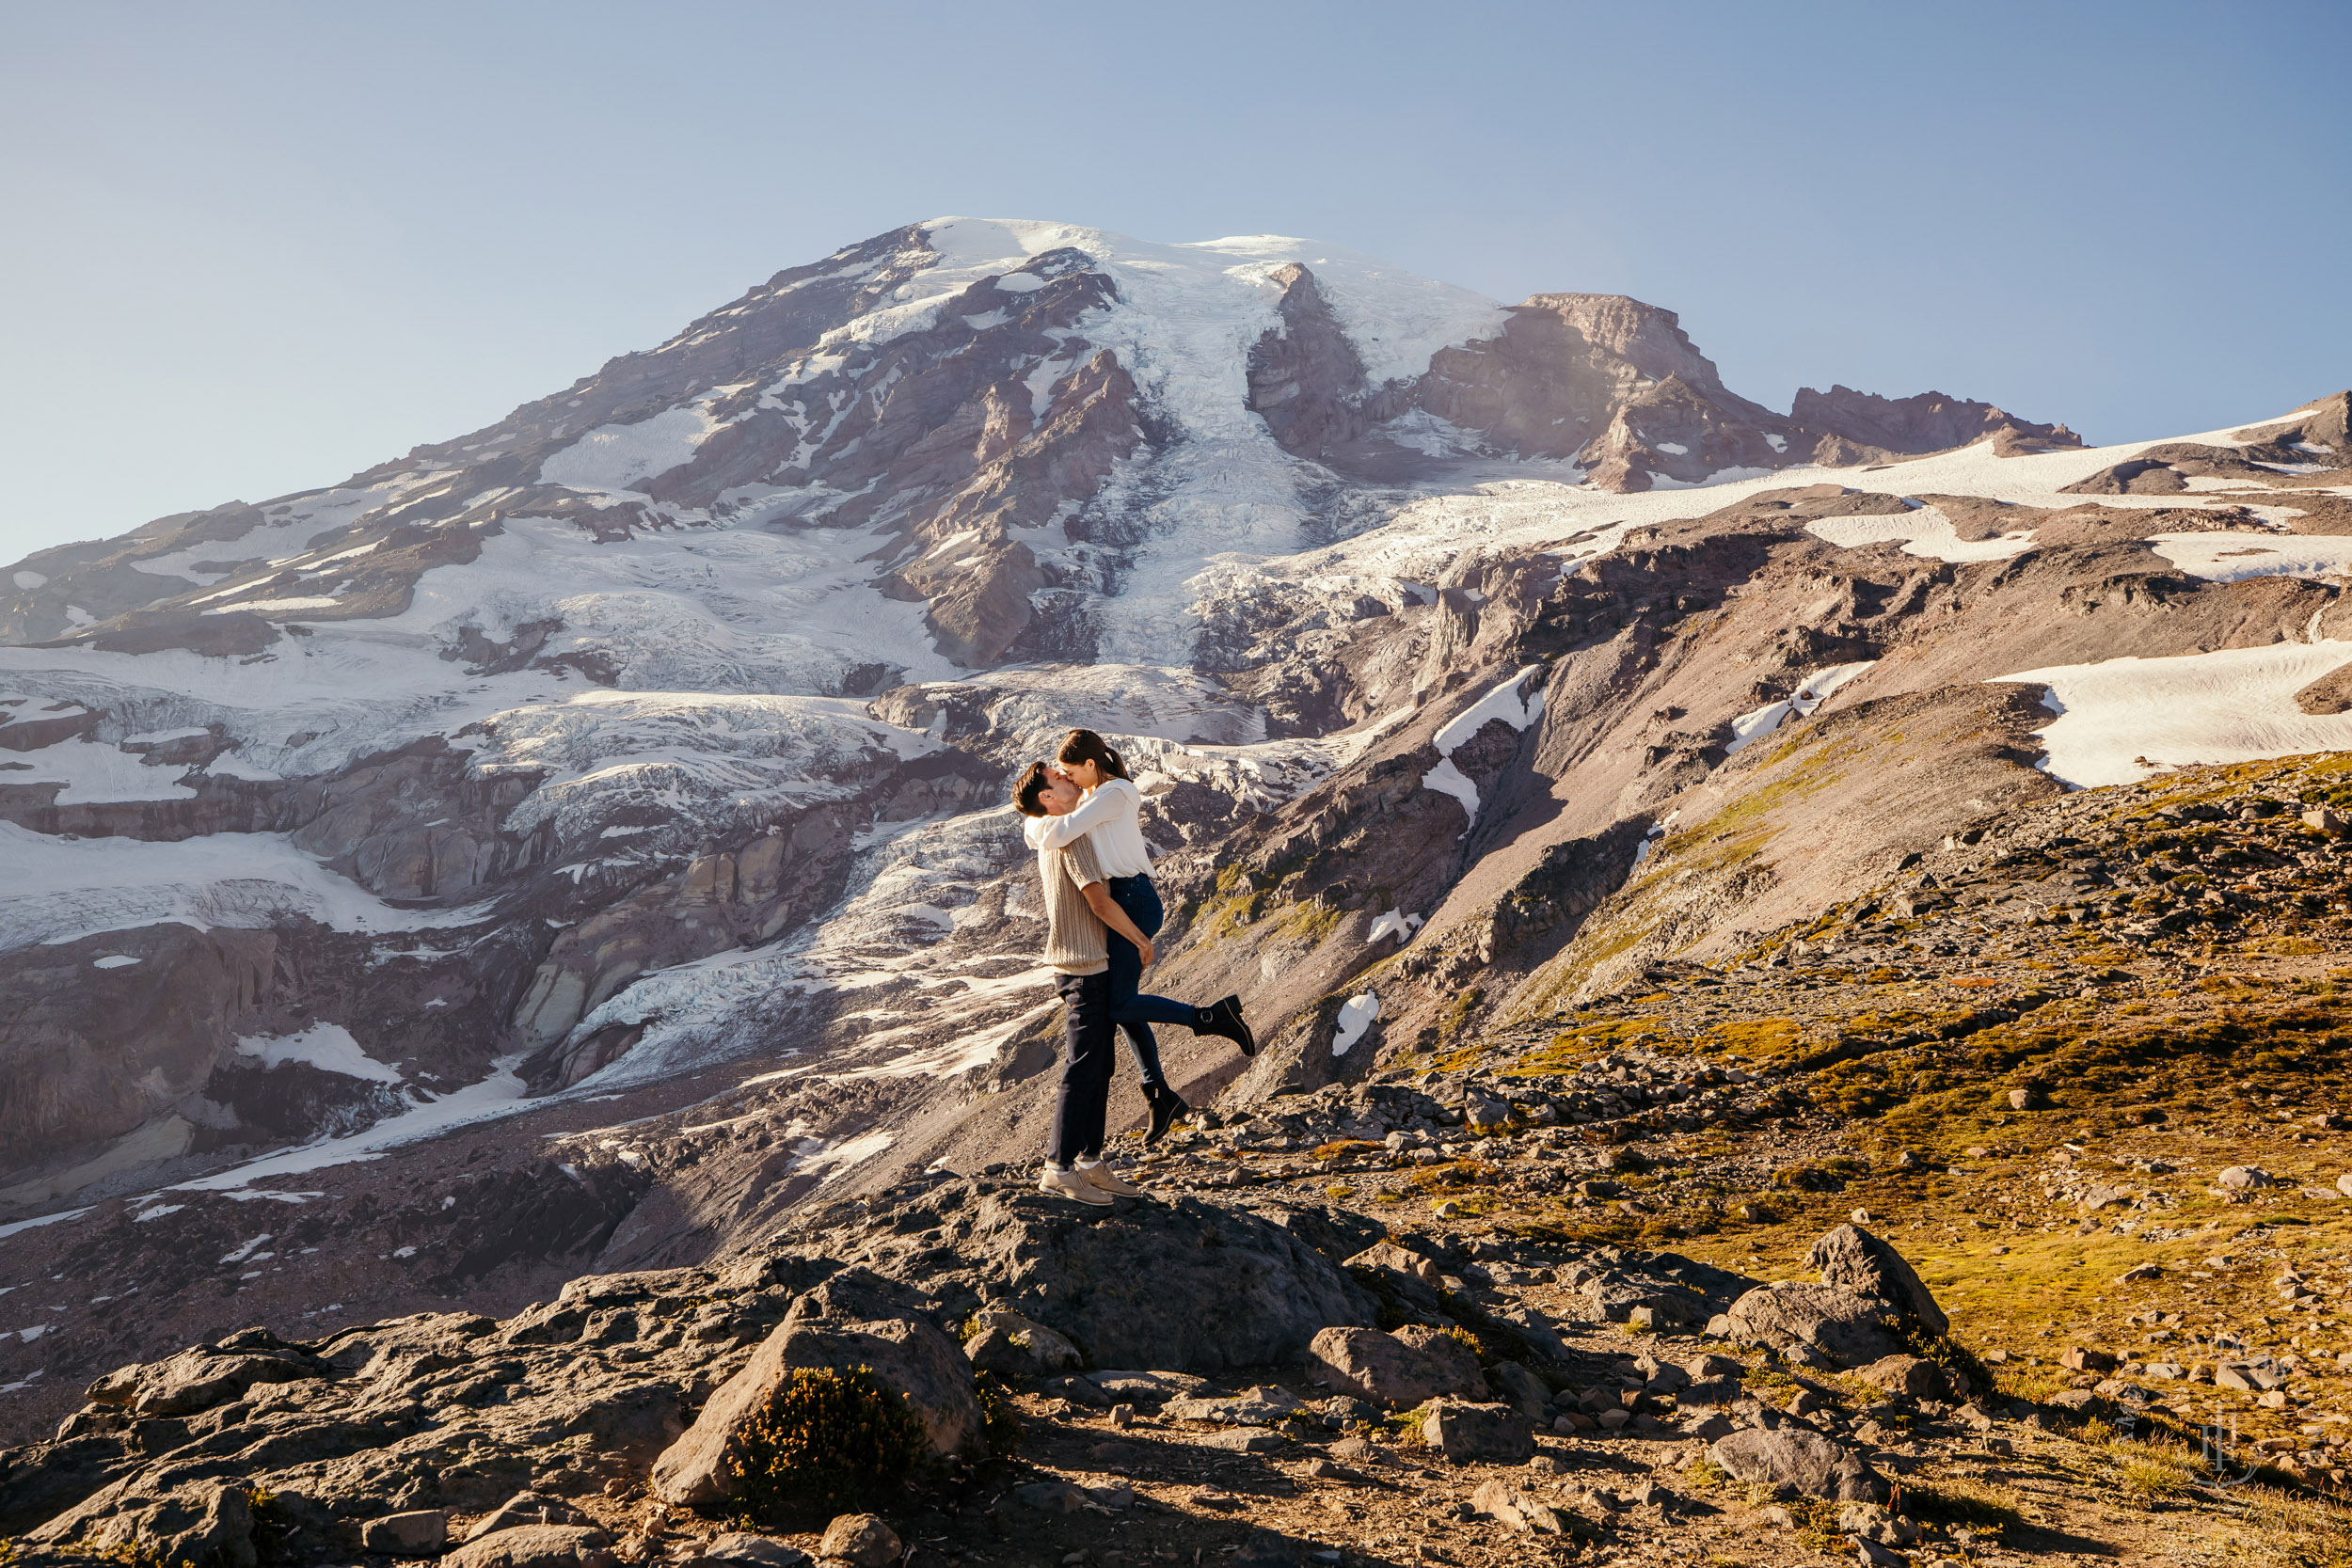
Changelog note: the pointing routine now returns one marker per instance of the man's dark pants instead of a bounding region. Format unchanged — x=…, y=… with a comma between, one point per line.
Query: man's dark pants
x=1086, y=1076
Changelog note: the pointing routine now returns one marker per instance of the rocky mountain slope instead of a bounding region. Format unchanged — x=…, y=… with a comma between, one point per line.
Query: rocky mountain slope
x=579, y=846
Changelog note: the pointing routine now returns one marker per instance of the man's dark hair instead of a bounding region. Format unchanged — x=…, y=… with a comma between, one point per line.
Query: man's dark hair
x=1033, y=783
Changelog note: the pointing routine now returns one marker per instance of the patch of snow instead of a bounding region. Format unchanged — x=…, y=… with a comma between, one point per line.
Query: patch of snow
x=500, y=1094
x=1504, y=702
x=114, y=960
x=1446, y=779
x=160, y=1211
x=2233, y=556
x=1721, y=476
x=246, y=1251
x=1430, y=435
x=228, y=765
x=274, y=607
x=95, y=774
x=1778, y=443
x=59, y=891
x=328, y=1047
x=1818, y=688
x=837, y=1159
x=1355, y=1016
x=30, y=580
x=15, y=1226
x=1676, y=448
x=2234, y=706
x=621, y=457
x=1923, y=532
x=1396, y=923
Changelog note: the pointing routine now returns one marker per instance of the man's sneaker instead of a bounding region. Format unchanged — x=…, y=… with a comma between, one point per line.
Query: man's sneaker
x=1167, y=1105
x=1225, y=1020
x=1071, y=1184
x=1109, y=1182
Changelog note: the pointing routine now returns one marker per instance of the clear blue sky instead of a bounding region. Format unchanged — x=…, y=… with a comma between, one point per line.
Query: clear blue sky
x=250, y=247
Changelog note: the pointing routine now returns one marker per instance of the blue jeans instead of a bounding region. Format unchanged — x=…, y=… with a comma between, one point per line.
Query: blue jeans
x=1133, y=1010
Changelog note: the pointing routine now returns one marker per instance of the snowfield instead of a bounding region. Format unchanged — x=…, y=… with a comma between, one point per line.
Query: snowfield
x=2121, y=720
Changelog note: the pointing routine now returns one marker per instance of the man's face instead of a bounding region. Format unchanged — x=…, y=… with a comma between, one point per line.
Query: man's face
x=1060, y=794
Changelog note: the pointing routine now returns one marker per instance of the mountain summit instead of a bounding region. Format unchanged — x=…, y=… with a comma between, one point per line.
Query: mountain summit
x=641, y=759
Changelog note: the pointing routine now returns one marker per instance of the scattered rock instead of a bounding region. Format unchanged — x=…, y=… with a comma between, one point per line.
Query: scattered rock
x=2239, y=1179
x=1009, y=1344
x=862, y=1539
x=1516, y=1510
x=537, y=1546
x=1399, y=1370
x=420, y=1532
x=1908, y=1375
x=1801, y=1461
x=1265, y=1548
x=1479, y=1434
x=1244, y=1440
x=526, y=1508
x=1257, y=1406
x=763, y=1551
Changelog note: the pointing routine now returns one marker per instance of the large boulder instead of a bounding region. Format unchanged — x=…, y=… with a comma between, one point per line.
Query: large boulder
x=208, y=1522
x=1792, y=1459
x=1908, y=1375
x=1852, y=1257
x=831, y=1326
x=1402, y=1370
x=1184, y=1286
x=1824, y=1324
x=205, y=1375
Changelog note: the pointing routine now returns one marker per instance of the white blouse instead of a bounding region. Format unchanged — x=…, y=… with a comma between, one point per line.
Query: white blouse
x=1113, y=813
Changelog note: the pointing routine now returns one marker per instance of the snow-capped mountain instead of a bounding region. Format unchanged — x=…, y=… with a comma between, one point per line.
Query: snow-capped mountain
x=652, y=742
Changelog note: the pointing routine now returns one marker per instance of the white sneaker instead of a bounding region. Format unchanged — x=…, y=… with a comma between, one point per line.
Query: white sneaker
x=1071, y=1184
x=1109, y=1181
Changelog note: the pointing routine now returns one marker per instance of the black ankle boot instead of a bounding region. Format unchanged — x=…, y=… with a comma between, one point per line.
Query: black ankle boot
x=1167, y=1105
x=1225, y=1021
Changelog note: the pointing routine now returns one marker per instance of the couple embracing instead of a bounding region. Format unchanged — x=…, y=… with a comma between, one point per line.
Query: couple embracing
x=1085, y=823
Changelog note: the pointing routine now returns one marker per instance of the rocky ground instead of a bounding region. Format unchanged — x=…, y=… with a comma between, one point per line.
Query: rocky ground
x=1508, y=1294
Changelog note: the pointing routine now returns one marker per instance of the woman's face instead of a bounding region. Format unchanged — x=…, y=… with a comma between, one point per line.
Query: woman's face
x=1086, y=775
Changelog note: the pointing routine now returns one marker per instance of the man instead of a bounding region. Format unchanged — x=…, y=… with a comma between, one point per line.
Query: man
x=1078, y=911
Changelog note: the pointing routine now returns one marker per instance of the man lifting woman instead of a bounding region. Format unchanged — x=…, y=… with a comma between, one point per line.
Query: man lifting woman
x=1085, y=823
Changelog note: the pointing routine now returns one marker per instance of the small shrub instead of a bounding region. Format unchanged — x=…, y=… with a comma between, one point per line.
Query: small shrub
x=271, y=1525
x=1704, y=1473
x=835, y=1439
x=1000, y=1424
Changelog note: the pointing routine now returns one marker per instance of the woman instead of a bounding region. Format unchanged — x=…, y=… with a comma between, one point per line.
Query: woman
x=1112, y=814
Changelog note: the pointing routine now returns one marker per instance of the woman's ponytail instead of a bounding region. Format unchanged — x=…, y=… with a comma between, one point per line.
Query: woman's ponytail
x=1086, y=746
